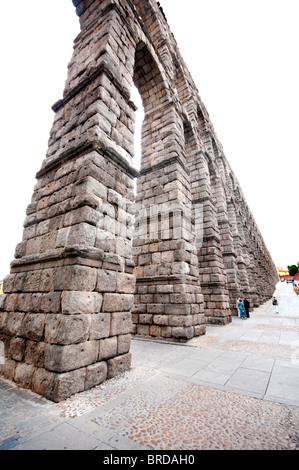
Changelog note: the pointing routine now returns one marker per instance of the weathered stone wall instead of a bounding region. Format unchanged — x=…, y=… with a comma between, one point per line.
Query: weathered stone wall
x=82, y=273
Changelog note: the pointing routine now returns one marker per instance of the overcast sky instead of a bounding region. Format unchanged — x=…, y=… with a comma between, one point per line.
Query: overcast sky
x=243, y=57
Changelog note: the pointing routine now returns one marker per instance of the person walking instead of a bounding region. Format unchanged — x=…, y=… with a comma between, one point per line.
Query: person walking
x=246, y=306
x=275, y=303
x=241, y=309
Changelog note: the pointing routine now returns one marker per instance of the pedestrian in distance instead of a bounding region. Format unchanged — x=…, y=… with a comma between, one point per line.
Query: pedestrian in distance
x=241, y=309
x=275, y=304
x=238, y=309
x=246, y=306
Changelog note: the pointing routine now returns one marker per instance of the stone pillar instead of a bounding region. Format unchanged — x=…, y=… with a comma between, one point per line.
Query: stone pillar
x=227, y=243
x=65, y=315
x=206, y=191
x=168, y=301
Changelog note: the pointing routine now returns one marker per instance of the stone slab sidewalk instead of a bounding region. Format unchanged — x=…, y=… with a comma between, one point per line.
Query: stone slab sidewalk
x=237, y=387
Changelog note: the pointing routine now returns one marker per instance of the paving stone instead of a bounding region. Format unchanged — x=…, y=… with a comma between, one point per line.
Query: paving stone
x=157, y=406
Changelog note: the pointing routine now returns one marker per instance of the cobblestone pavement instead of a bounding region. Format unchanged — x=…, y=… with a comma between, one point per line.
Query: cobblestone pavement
x=237, y=387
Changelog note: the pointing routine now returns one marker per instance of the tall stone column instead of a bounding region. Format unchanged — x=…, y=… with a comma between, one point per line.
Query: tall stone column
x=207, y=191
x=211, y=269
x=227, y=243
x=168, y=301
x=65, y=315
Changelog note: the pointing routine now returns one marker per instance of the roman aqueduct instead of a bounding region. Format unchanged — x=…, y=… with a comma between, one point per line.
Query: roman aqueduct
x=98, y=263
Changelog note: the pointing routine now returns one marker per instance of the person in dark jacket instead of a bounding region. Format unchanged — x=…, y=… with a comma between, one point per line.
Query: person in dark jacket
x=246, y=306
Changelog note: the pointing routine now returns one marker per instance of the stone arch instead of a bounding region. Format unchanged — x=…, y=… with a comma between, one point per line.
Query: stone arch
x=180, y=82
x=147, y=77
x=215, y=148
x=232, y=182
x=203, y=128
x=149, y=82
x=152, y=23
x=189, y=139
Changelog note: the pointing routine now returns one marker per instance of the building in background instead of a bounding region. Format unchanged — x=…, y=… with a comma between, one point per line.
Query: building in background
x=282, y=273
